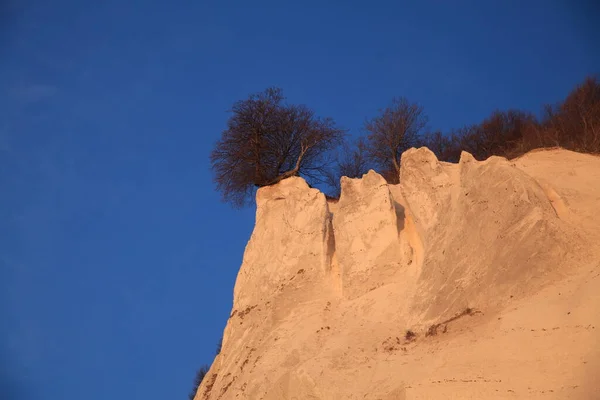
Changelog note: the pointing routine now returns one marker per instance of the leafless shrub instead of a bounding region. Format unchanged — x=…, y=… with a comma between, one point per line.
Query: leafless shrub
x=573, y=124
x=200, y=375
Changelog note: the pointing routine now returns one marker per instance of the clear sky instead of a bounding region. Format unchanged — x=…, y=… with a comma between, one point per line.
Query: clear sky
x=117, y=260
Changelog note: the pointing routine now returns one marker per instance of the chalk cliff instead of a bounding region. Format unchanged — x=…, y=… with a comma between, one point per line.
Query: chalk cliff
x=476, y=280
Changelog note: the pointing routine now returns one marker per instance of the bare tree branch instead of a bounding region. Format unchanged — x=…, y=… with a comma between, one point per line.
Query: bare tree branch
x=352, y=161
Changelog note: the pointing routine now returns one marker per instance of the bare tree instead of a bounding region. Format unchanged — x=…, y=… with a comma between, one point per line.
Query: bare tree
x=355, y=160
x=266, y=141
x=352, y=162
x=442, y=145
x=578, y=118
x=503, y=133
x=394, y=131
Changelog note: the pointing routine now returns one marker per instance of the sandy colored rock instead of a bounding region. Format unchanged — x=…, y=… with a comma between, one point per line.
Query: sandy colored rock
x=476, y=280
x=292, y=229
x=366, y=226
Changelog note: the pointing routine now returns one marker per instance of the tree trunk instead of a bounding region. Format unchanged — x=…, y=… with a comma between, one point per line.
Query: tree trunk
x=290, y=173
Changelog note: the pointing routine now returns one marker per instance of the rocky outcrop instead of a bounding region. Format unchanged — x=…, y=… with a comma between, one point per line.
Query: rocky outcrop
x=291, y=233
x=327, y=294
x=366, y=226
x=488, y=230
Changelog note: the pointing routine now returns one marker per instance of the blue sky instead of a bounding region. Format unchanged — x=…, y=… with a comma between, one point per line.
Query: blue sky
x=117, y=259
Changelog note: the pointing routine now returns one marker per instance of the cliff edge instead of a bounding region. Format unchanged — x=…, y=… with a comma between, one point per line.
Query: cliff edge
x=465, y=281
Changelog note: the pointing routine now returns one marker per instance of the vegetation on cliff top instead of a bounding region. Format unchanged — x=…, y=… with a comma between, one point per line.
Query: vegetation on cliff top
x=268, y=140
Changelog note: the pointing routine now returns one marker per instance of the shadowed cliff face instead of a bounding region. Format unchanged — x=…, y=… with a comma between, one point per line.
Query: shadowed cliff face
x=327, y=291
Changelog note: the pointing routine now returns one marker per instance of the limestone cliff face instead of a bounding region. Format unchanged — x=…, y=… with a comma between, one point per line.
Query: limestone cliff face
x=292, y=230
x=327, y=291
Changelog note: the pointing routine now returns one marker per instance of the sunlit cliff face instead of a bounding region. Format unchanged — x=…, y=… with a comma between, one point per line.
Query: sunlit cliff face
x=378, y=294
